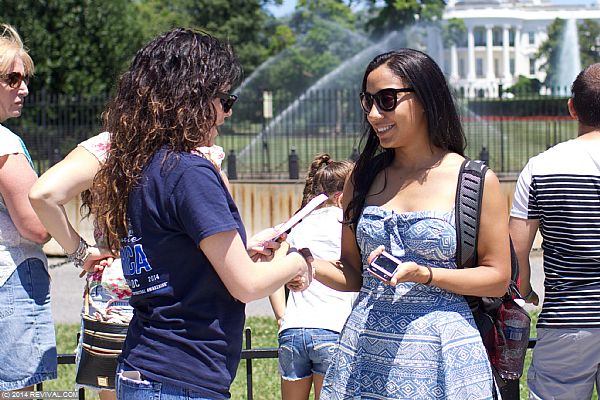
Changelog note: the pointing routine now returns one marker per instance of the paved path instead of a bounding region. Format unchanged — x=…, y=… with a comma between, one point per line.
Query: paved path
x=67, y=289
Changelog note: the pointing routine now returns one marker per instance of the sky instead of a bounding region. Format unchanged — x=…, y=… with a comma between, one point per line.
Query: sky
x=288, y=6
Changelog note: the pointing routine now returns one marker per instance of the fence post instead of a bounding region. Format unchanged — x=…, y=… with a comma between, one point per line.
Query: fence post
x=354, y=155
x=484, y=155
x=293, y=164
x=231, y=165
x=248, y=333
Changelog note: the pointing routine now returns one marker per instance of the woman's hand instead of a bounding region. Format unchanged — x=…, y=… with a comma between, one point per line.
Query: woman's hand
x=304, y=279
x=263, y=245
x=97, y=259
x=405, y=272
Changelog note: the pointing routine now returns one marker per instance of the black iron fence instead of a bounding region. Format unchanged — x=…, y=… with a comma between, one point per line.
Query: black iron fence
x=273, y=136
x=509, y=392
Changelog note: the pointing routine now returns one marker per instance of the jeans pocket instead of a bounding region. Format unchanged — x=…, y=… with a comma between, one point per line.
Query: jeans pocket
x=325, y=341
x=132, y=386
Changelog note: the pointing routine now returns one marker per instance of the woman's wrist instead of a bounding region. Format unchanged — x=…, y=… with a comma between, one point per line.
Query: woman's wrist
x=80, y=255
x=429, y=275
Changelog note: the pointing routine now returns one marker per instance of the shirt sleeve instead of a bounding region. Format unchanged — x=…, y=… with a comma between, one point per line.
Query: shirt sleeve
x=202, y=205
x=525, y=196
x=97, y=145
x=10, y=143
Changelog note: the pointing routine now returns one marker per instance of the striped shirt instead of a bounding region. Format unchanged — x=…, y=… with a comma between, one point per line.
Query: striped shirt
x=561, y=188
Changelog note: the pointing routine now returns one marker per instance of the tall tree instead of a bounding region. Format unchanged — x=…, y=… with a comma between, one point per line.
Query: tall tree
x=246, y=24
x=589, y=41
x=78, y=46
x=454, y=32
x=398, y=14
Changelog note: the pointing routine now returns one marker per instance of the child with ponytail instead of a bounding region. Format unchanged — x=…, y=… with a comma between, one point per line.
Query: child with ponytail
x=310, y=322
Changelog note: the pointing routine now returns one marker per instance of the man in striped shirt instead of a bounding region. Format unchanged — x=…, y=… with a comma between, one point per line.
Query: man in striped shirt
x=558, y=192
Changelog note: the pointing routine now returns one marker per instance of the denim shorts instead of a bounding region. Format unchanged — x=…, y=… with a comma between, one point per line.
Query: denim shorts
x=28, y=350
x=305, y=351
x=130, y=387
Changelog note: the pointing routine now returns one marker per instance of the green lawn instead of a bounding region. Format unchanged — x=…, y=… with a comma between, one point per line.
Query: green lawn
x=265, y=374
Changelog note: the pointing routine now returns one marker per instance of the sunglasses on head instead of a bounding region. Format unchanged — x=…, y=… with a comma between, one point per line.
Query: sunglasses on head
x=386, y=99
x=14, y=79
x=227, y=100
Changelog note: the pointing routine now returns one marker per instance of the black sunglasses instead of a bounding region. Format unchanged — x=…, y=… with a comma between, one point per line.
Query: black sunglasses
x=227, y=100
x=14, y=79
x=386, y=99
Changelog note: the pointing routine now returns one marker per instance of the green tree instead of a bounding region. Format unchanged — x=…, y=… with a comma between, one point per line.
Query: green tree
x=325, y=37
x=589, y=41
x=246, y=24
x=78, y=46
x=454, y=32
x=525, y=85
x=398, y=14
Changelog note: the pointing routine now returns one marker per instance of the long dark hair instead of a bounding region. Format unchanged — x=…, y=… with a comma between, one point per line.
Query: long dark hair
x=420, y=72
x=165, y=98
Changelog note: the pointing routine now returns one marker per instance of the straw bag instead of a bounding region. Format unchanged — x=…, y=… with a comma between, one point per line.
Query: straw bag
x=101, y=344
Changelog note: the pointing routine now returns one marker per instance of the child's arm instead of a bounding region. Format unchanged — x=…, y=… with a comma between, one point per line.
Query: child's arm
x=277, y=299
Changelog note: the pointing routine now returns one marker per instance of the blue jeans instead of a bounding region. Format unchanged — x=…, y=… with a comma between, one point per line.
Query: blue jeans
x=305, y=351
x=132, y=386
x=28, y=347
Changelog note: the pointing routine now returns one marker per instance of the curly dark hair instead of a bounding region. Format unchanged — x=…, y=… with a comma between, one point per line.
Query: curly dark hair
x=165, y=98
x=420, y=72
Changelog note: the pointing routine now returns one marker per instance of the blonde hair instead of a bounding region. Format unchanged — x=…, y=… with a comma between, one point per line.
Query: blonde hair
x=11, y=47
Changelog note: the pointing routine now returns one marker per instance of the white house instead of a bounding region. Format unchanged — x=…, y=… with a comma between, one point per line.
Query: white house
x=502, y=39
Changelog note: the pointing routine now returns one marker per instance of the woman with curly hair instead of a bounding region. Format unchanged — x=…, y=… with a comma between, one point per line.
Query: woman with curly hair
x=28, y=350
x=180, y=235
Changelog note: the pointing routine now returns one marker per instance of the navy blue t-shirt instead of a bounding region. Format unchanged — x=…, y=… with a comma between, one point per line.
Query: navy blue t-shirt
x=187, y=328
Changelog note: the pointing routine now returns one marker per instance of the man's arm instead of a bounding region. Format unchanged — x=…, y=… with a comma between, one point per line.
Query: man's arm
x=522, y=232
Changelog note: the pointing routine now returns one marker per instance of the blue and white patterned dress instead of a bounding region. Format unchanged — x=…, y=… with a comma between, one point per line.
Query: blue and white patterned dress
x=411, y=341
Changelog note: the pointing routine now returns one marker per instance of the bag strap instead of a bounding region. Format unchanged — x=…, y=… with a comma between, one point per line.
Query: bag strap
x=467, y=211
x=86, y=298
x=469, y=195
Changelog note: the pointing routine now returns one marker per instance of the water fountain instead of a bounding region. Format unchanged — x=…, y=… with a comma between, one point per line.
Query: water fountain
x=569, y=61
x=340, y=123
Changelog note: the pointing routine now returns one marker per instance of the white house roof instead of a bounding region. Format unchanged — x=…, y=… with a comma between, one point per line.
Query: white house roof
x=528, y=10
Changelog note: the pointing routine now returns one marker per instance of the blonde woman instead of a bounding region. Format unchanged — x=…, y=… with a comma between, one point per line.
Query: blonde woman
x=28, y=350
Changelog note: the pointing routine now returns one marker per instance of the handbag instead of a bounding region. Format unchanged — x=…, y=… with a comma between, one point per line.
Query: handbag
x=101, y=344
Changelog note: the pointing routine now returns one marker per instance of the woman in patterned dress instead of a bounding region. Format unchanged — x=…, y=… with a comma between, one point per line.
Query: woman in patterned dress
x=412, y=337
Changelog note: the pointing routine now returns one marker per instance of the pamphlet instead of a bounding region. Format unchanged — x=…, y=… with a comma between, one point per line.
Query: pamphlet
x=307, y=209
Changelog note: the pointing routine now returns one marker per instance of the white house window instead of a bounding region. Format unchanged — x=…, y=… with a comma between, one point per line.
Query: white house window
x=497, y=37
x=461, y=68
x=511, y=37
x=531, y=37
x=479, y=67
x=479, y=36
x=531, y=67
x=512, y=66
x=496, y=67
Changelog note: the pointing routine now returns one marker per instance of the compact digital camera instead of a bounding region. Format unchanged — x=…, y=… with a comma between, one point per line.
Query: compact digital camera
x=384, y=266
